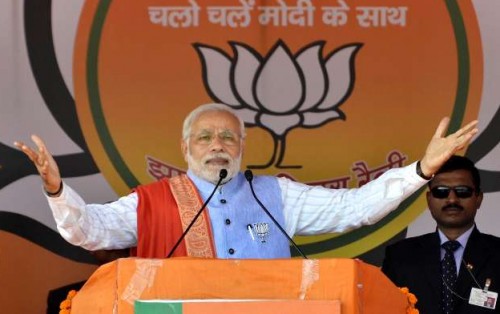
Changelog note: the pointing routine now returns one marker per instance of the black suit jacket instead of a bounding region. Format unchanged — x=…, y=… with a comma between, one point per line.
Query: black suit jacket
x=415, y=263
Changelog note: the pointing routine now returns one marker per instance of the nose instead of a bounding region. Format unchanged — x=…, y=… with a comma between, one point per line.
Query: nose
x=216, y=145
x=452, y=197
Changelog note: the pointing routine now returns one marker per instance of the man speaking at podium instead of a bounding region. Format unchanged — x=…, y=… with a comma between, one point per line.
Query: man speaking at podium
x=245, y=216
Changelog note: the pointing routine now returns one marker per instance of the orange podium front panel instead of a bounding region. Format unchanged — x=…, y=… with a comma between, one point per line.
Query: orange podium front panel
x=225, y=306
x=360, y=288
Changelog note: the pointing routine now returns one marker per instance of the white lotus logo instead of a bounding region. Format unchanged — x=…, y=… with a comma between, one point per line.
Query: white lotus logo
x=280, y=91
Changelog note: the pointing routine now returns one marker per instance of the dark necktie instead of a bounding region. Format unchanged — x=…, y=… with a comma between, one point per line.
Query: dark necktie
x=449, y=276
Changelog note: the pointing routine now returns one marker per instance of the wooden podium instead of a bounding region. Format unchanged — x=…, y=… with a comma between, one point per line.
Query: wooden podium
x=356, y=286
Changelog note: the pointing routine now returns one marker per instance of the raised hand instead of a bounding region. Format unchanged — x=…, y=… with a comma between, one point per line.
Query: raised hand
x=441, y=148
x=44, y=163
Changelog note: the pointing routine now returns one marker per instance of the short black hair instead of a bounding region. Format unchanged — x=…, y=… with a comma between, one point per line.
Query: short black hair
x=457, y=162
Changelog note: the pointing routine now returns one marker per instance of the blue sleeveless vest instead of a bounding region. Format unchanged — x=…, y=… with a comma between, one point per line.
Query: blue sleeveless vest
x=241, y=228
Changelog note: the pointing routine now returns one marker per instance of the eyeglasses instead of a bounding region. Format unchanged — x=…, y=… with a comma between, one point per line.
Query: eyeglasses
x=461, y=191
x=227, y=137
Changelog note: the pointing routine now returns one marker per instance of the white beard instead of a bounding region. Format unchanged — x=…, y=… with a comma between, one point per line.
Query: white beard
x=211, y=173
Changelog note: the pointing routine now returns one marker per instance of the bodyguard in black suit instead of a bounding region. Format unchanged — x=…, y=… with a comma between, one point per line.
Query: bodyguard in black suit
x=418, y=263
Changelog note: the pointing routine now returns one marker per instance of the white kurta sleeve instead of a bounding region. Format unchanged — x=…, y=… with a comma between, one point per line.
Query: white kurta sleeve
x=312, y=210
x=95, y=226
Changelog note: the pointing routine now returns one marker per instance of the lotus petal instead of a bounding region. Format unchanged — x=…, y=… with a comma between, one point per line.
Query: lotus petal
x=311, y=63
x=318, y=118
x=279, y=87
x=216, y=67
x=248, y=116
x=245, y=67
x=340, y=69
x=280, y=124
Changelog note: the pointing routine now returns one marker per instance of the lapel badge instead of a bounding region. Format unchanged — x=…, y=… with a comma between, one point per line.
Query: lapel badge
x=262, y=230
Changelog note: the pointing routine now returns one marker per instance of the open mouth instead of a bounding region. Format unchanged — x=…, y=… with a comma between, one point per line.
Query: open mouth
x=217, y=161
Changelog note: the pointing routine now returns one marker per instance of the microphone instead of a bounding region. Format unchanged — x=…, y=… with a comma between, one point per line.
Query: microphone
x=249, y=177
x=222, y=176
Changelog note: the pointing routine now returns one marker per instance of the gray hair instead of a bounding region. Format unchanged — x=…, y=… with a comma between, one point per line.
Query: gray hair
x=212, y=107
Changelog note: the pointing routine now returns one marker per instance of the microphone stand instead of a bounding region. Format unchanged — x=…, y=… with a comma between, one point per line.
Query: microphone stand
x=249, y=177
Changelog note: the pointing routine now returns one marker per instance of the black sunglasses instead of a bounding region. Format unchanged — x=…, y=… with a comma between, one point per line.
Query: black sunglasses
x=461, y=191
